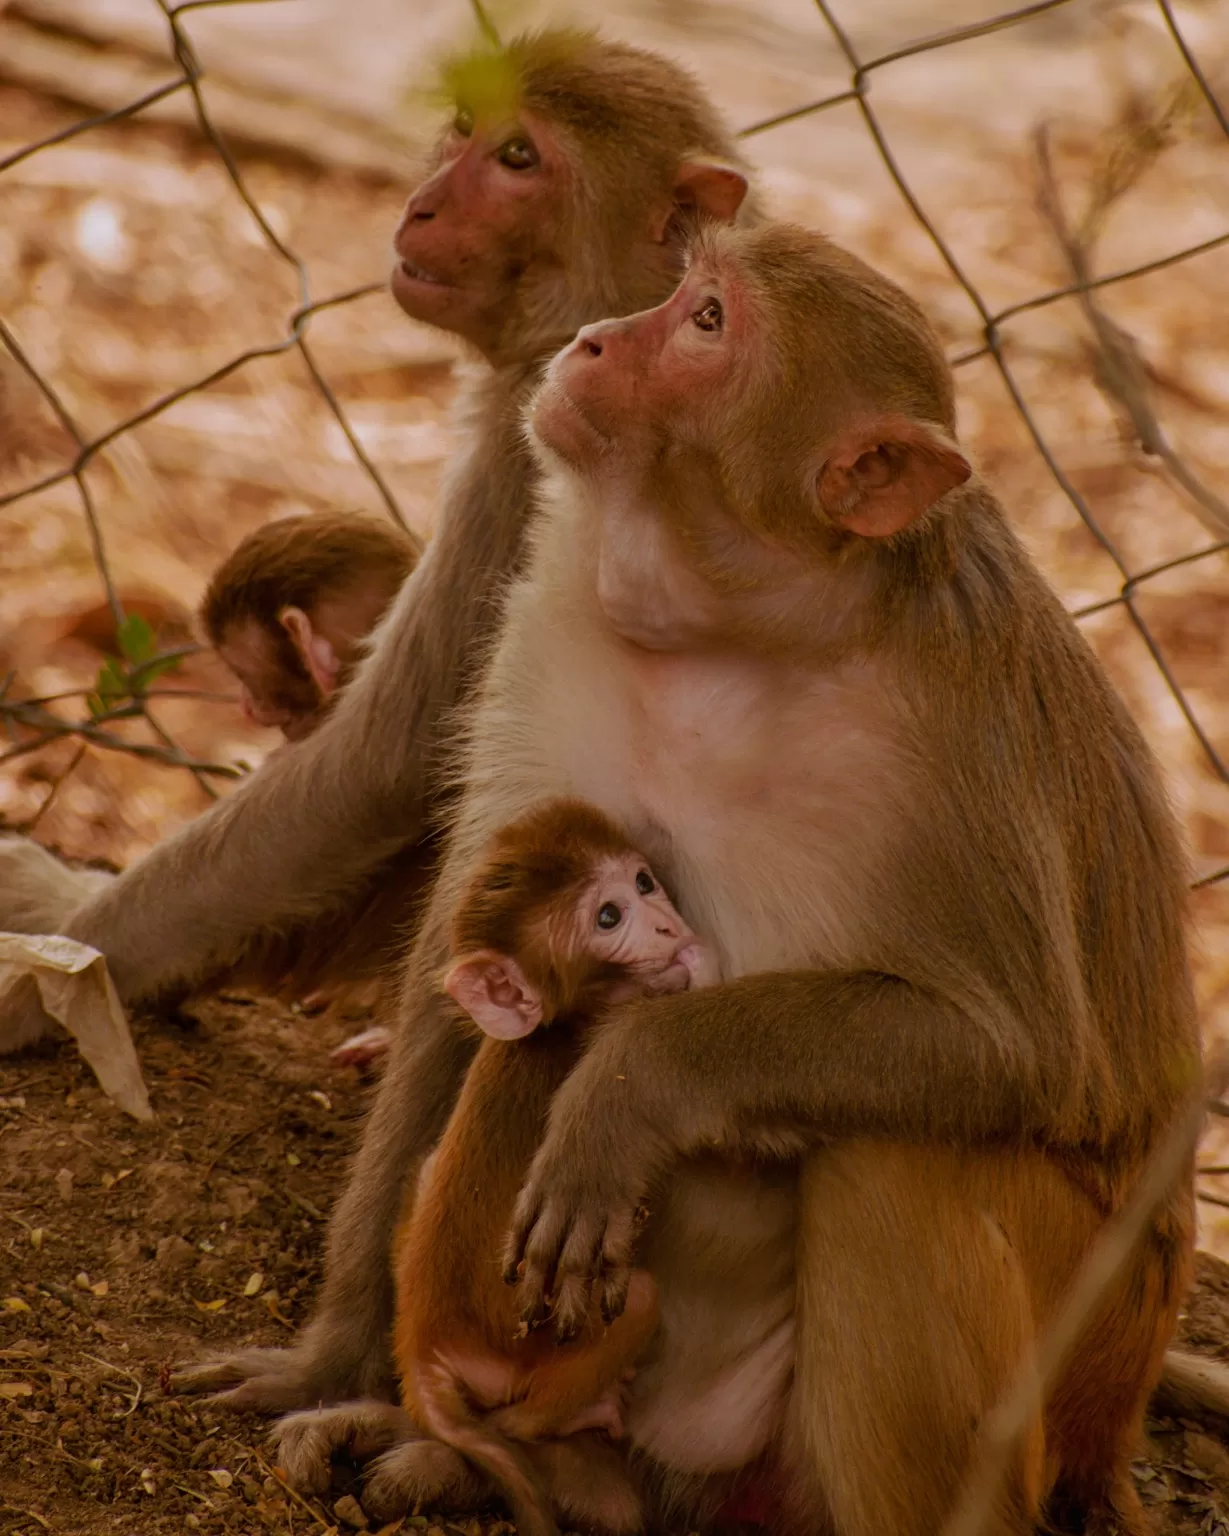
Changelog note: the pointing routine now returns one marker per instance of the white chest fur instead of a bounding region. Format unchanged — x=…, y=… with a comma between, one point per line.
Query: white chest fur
x=762, y=792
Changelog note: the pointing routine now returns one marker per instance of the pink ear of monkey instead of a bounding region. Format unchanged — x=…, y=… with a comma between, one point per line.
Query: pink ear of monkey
x=496, y=994
x=707, y=186
x=884, y=474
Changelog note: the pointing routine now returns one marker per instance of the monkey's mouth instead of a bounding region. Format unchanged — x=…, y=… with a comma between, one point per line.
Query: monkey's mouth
x=417, y=275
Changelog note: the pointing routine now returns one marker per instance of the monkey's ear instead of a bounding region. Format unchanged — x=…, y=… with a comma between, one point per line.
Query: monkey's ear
x=708, y=187
x=315, y=652
x=496, y=994
x=884, y=474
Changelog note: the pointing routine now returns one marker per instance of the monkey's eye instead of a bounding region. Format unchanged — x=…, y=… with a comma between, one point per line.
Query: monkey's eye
x=609, y=915
x=645, y=883
x=518, y=155
x=463, y=122
x=709, y=316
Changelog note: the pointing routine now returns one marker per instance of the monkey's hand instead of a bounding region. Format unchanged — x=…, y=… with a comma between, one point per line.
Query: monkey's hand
x=575, y=1218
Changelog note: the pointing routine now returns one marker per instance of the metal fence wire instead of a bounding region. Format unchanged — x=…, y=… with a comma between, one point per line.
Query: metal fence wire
x=129, y=692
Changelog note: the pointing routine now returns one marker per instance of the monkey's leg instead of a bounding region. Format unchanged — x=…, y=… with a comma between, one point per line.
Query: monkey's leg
x=914, y=1315
x=344, y=1351
x=1094, y=1419
x=580, y=1386
x=306, y=1443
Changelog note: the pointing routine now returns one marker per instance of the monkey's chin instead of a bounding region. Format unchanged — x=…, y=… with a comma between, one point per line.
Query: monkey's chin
x=421, y=297
x=560, y=425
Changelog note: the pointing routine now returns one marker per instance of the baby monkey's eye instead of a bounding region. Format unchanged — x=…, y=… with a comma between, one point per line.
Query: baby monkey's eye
x=709, y=315
x=518, y=155
x=645, y=883
x=463, y=122
x=609, y=915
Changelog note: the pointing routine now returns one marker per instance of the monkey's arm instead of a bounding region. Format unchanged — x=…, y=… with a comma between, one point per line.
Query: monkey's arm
x=817, y=1053
x=302, y=833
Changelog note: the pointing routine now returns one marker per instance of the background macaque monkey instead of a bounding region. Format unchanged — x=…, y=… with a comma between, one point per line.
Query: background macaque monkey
x=288, y=612
x=561, y=918
x=558, y=194
x=289, y=608
x=776, y=626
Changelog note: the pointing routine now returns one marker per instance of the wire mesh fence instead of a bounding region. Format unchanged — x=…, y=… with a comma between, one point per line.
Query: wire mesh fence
x=125, y=689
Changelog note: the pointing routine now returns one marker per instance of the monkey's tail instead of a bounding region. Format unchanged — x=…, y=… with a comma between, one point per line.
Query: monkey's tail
x=449, y=1417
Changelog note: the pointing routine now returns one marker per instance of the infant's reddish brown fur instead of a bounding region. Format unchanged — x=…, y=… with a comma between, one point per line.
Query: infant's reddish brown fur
x=472, y=1374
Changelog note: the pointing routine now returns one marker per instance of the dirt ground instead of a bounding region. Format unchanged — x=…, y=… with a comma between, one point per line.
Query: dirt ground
x=127, y=1247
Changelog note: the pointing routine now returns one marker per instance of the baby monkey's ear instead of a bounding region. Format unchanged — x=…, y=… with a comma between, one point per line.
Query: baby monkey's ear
x=315, y=650
x=496, y=994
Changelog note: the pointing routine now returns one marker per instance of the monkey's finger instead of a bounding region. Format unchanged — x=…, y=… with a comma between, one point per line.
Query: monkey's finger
x=524, y=1216
x=575, y=1274
x=617, y=1263
x=541, y=1251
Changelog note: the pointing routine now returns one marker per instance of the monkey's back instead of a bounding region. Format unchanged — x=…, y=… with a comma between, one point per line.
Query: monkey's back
x=448, y=1258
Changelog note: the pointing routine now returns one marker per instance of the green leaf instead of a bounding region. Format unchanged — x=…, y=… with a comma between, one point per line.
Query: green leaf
x=112, y=682
x=136, y=638
x=148, y=671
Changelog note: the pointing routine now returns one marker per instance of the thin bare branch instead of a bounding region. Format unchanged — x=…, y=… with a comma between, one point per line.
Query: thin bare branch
x=1118, y=367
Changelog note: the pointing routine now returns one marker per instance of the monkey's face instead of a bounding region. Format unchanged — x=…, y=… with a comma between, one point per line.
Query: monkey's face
x=626, y=919
x=482, y=226
x=276, y=691
x=630, y=388
x=731, y=444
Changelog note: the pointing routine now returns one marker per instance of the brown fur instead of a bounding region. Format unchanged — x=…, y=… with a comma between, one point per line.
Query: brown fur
x=299, y=561
x=302, y=849
x=889, y=780
x=356, y=564
x=452, y=1303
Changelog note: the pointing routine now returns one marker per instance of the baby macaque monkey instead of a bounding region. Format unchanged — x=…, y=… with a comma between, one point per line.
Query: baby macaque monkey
x=562, y=918
x=289, y=609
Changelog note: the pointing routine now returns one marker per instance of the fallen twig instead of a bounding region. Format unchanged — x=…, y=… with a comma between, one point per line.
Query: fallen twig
x=120, y=1371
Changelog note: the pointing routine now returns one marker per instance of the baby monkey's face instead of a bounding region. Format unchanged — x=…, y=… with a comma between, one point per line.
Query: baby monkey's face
x=626, y=918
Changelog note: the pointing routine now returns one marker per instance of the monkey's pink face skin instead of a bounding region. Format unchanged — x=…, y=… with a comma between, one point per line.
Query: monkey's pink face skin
x=623, y=387
x=624, y=917
x=468, y=232
x=627, y=918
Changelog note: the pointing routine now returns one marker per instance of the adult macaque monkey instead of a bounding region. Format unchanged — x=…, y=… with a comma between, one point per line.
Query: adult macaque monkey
x=555, y=199
x=775, y=626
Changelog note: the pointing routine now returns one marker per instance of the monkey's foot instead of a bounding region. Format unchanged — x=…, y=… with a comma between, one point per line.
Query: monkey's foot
x=307, y=1442
x=421, y=1472
x=280, y=1380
